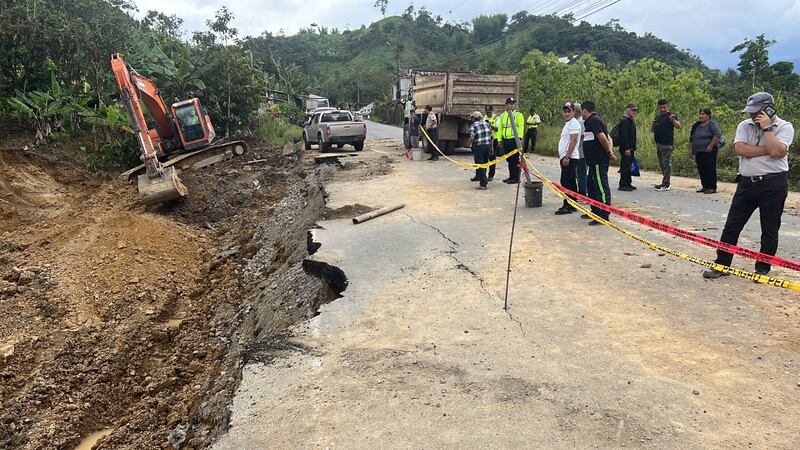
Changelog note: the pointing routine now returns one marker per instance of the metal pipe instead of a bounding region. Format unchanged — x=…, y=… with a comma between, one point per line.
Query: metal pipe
x=377, y=213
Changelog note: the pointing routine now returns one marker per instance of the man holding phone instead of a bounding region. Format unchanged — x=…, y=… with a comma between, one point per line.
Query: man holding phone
x=762, y=143
x=663, y=128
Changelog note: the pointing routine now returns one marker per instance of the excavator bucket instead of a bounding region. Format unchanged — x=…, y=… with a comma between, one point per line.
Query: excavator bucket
x=164, y=188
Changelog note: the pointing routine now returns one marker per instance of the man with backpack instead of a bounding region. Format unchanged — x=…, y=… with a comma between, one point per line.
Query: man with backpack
x=624, y=136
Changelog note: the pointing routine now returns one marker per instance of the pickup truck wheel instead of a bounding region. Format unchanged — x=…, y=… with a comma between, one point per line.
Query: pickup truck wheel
x=323, y=147
x=339, y=145
x=358, y=146
x=306, y=143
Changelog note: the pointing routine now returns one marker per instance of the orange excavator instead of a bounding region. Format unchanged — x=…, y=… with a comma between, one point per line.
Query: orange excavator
x=184, y=129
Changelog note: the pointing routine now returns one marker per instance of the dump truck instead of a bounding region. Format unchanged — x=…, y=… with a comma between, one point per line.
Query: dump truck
x=453, y=96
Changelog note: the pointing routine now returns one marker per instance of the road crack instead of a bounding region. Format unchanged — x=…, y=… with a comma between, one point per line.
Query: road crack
x=451, y=253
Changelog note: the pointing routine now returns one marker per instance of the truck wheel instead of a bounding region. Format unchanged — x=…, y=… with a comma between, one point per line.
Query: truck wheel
x=358, y=146
x=449, y=147
x=306, y=143
x=323, y=147
x=339, y=145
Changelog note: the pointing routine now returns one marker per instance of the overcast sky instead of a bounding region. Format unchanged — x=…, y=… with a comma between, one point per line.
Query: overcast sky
x=708, y=28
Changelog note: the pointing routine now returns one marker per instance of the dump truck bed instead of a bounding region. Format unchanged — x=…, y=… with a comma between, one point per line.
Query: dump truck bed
x=460, y=94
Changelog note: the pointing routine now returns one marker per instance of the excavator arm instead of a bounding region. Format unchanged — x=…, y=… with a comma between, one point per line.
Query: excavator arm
x=158, y=184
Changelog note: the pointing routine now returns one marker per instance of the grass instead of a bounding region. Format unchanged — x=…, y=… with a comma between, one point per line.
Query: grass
x=278, y=133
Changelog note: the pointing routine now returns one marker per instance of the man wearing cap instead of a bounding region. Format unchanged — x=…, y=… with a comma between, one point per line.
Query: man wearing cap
x=507, y=123
x=568, y=153
x=480, y=140
x=494, y=149
x=432, y=128
x=663, y=128
x=627, y=146
x=532, y=127
x=762, y=143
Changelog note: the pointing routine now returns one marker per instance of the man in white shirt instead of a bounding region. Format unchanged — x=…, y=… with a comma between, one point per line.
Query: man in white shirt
x=432, y=128
x=762, y=143
x=568, y=152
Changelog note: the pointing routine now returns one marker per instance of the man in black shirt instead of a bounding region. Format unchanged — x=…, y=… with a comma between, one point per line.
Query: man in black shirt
x=598, y=152
x=627, y=146
x=663, y=128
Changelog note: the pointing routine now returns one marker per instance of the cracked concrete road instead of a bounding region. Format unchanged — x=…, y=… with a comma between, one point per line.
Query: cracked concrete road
x=606, y=343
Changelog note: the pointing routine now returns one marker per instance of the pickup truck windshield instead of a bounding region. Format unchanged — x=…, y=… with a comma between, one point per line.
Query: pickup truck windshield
x=337, y=117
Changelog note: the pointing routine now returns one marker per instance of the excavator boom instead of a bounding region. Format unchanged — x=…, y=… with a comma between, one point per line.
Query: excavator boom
x=158, y=184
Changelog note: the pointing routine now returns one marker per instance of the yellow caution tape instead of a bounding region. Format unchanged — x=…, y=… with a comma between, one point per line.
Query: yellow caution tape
x=471, y=165
x=763, y=279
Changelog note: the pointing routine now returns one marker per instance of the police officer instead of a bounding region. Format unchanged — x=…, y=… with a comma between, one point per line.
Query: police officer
x=762, y=144
x=531, y=125
x=508, y=121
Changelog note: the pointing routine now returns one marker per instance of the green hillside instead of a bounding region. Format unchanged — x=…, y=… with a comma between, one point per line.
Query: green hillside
x=358, y=65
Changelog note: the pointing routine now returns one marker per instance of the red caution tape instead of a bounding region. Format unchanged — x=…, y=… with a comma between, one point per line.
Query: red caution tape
x=688, y=235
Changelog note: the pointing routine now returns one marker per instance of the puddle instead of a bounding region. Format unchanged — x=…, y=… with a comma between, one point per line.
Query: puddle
x=89, y=441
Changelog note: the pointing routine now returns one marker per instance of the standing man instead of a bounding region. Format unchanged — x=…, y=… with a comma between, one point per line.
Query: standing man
x=432, y=128
x=413, y=132
x=627, y=146
x=480, y=140
x=581, y=169
x=568, y=153
x=494, y=150
x=762, y=144
x=532, y=125
x=663, y=128
x=511, y=118
x=598, y=150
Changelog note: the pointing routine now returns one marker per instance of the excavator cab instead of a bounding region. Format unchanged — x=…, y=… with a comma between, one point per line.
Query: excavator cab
x=194, y=126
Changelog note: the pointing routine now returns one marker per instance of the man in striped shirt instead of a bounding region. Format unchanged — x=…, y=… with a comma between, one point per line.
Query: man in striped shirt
x=480, y=139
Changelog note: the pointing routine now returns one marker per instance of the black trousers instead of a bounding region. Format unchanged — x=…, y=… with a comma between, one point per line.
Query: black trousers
x=707, y=168
x=597, y=187
x=481, y=156
x=497, y=153
x=530, y=138
x=433, y=134
x=769, y=196
x=625, y=169
x=513, y=161
x=568, y=179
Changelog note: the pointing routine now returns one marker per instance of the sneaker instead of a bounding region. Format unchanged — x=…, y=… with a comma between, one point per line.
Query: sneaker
x=701, y=190
x=712, y=274
x=594, y=222
x=511, y=181
x=481, y=188
x=626, y=188
x=662, y=188
x=585, y=216
x=505, y=180
x=474, y=179
x=710, y=191
x=633, y=188
x=490, y=179
x=562, y=211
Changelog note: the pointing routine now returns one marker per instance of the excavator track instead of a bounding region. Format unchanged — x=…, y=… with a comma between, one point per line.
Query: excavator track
x=230, y=149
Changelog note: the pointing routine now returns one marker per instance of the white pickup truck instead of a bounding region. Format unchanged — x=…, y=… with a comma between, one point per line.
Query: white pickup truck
x=333, y=127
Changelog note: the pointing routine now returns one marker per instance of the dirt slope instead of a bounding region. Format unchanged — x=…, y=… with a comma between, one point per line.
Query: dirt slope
x=119, y=317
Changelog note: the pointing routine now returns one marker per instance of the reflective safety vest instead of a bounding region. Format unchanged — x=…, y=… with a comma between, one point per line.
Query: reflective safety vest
x=492, y=121
x=504, y=125
x=533, y=121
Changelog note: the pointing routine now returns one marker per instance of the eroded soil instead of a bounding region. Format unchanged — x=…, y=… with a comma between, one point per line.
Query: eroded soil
x=137, y=319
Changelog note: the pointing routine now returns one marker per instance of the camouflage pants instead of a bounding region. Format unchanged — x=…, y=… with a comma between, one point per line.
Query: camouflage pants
x=664, y=153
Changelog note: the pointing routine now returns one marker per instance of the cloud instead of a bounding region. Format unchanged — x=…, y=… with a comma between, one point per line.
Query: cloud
x=709, y=29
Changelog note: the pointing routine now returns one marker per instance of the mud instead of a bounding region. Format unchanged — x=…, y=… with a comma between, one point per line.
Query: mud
x=116, y=316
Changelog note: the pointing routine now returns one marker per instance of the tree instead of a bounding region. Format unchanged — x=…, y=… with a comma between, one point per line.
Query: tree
x=754, y=58
x=486, y=28
x=382, y=5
